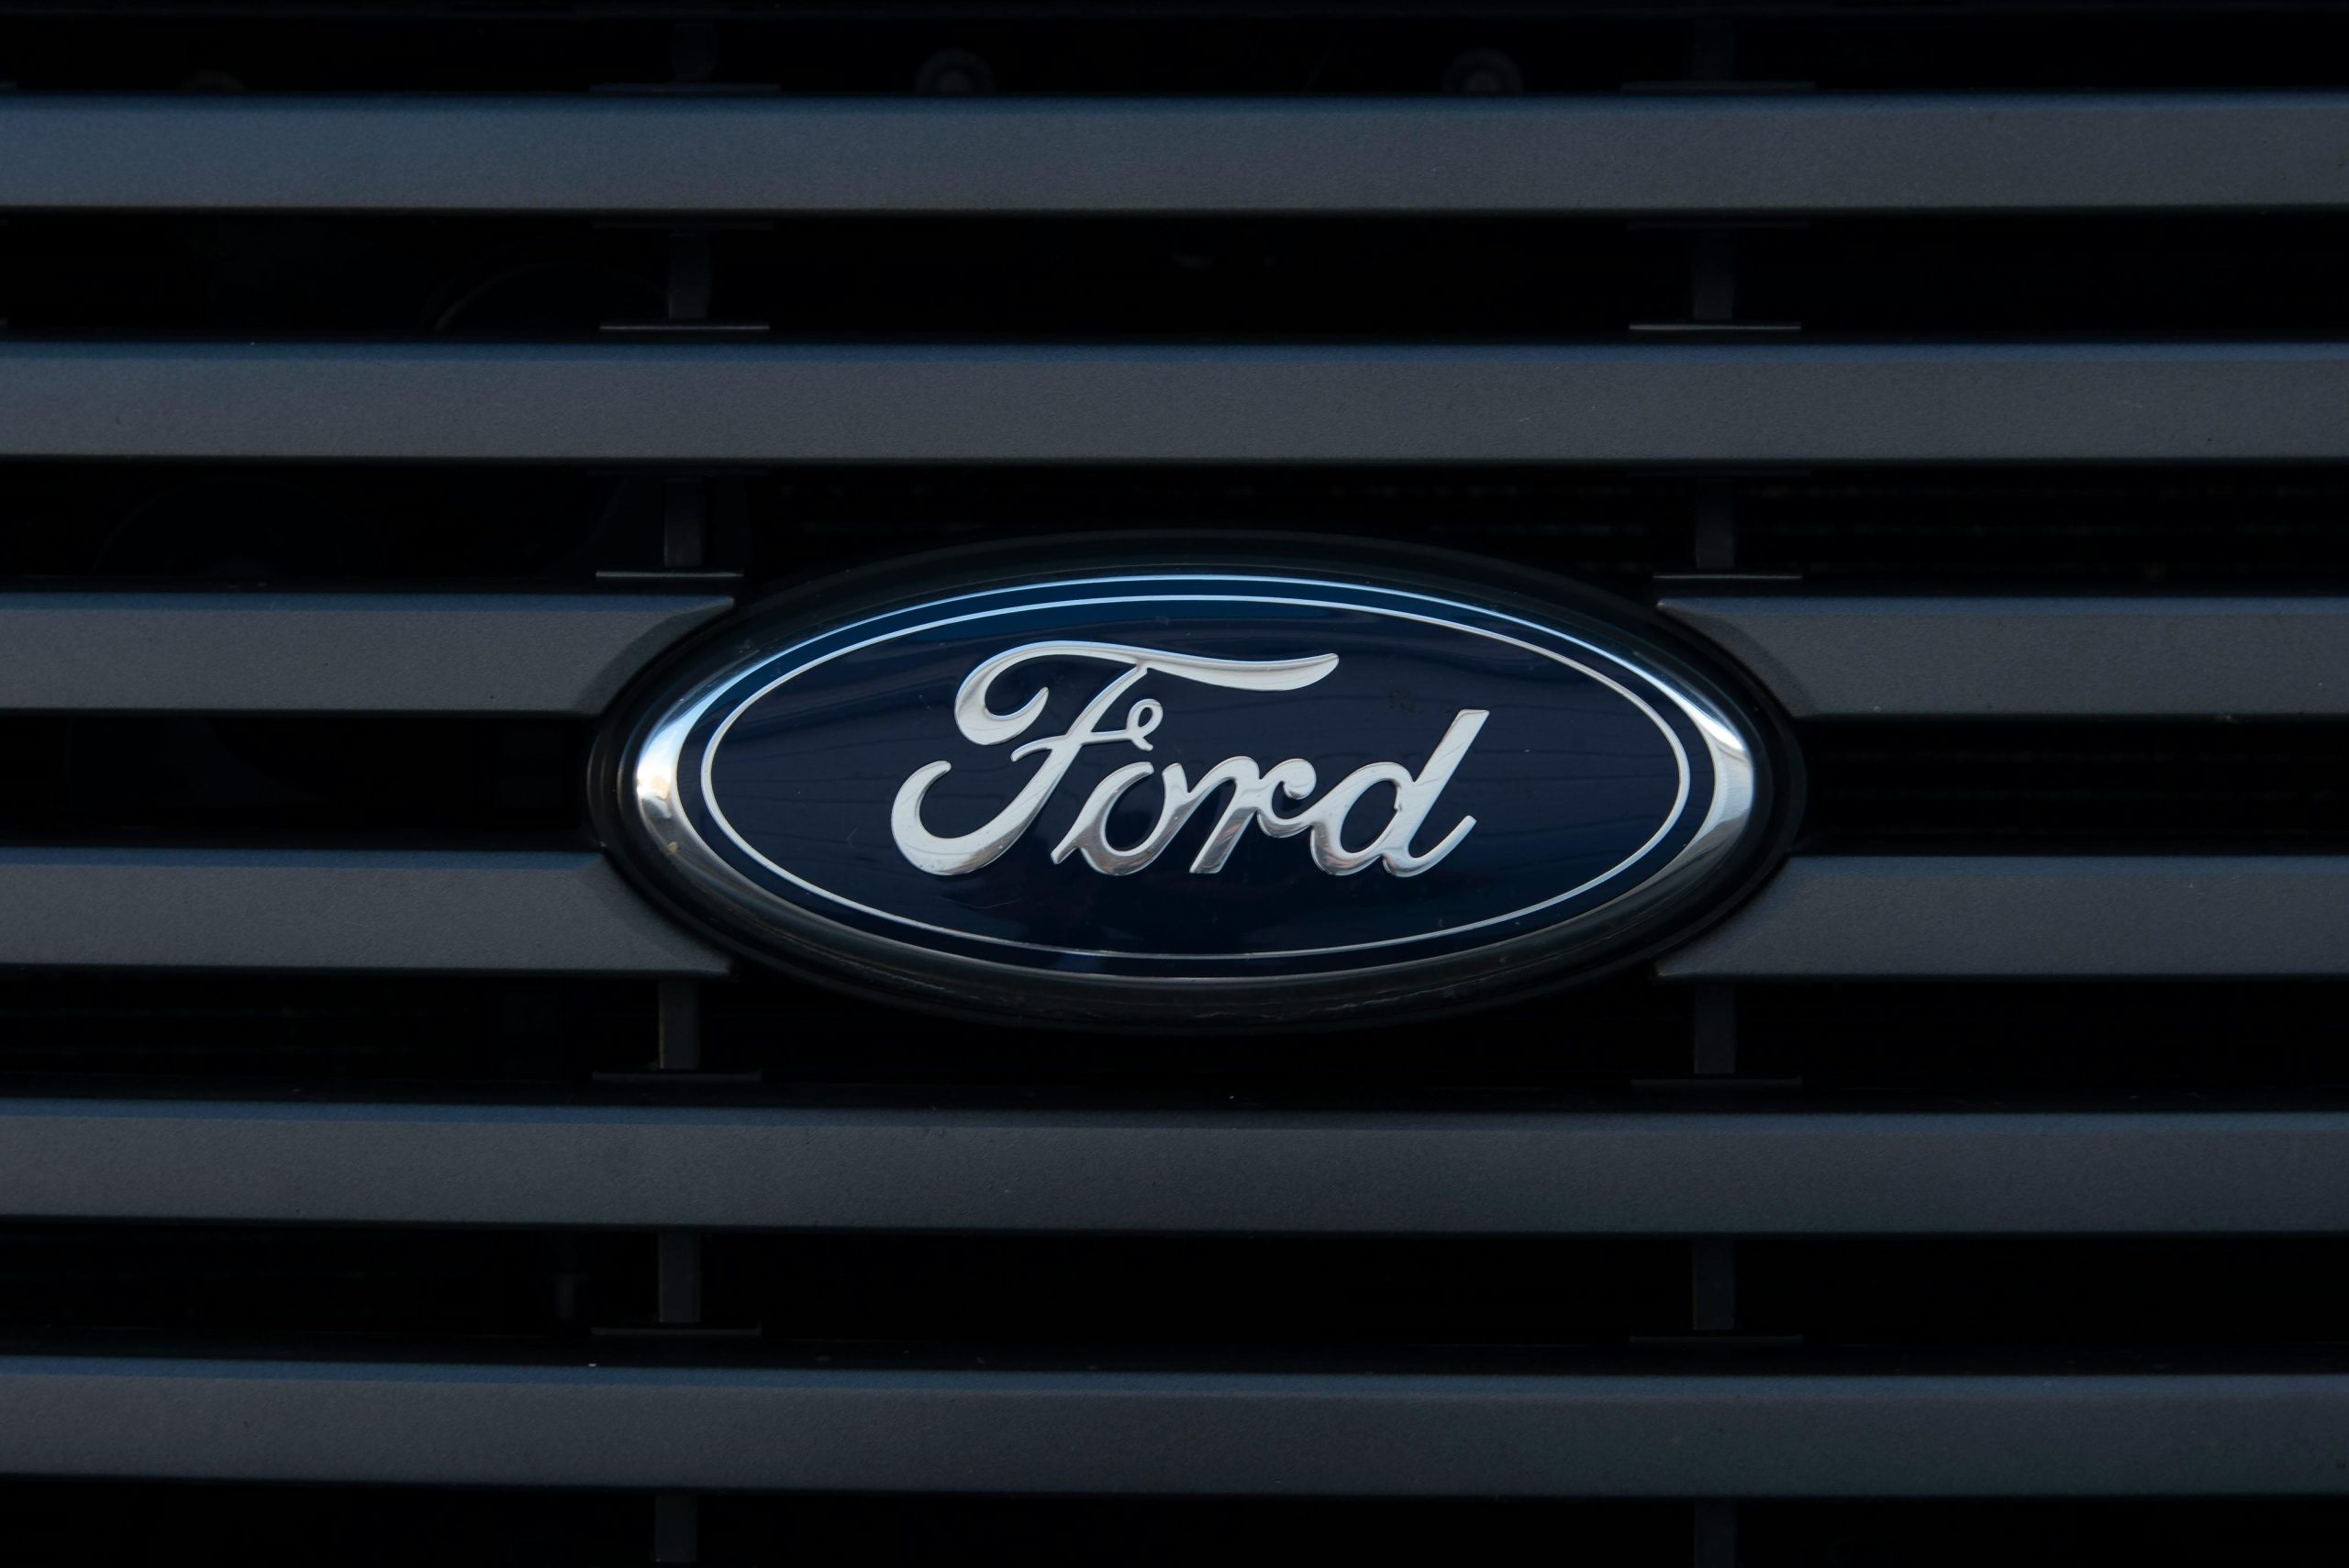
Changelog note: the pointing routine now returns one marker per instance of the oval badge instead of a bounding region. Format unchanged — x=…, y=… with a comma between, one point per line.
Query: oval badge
x=1196, y=795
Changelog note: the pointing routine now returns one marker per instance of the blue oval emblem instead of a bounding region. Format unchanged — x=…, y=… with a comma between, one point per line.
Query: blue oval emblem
x=1253, y=787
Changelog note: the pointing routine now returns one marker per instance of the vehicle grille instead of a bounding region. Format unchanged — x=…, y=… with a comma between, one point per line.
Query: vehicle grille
x=382, y=390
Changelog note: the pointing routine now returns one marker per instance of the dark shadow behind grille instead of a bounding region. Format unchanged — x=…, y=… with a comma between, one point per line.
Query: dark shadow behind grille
x=1110, y=278
x=1178, y=46
x=88, y=1522
x=327, y=1167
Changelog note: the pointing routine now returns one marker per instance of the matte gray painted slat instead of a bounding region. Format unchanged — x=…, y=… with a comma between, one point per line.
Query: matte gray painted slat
x=1617, y=1171
x=1630, y=402
x=1795, y=153
x=333, y=652
x=434, y=911
x=1840, y=657
x=2190, y=916
x=1693, y=1433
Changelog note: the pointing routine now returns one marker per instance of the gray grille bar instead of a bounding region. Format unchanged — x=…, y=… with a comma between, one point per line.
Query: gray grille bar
x=1945, y=657
x=431, y=911
x=2191, y=916
x=1617, y=1171
x=455, y=911
x=1792, y=153
x=1650, y=402
x=500, y=653
x=1335, y=1434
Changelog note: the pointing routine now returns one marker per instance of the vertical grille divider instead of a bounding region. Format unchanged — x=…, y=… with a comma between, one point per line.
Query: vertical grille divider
x=677, y=1286
x=1715, y=1535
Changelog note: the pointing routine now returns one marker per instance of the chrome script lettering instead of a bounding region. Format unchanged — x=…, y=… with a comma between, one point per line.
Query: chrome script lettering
x=1256, y=792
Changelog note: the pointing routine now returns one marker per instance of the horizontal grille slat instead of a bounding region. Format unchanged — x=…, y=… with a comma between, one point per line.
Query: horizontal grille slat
x=262, y=653
x=2197, y=916
x=1603, y=1171
x=1652, y=154
x=427, y=910
x=1629, y=404
x=1945, y=657
x=1754, y=1435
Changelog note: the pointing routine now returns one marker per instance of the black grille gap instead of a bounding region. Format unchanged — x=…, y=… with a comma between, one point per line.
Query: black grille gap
x=886, y=1300
x=2272, y=1041
x=283, y=1286
x=75, y=1523
x=772, y=1040
x=1104, y=279
x=1181, y=46
x=229, y=779
x=2267, y=1532
x=2210, y=786
x=1981, y=530
x=192, y=1030
x=203, y=526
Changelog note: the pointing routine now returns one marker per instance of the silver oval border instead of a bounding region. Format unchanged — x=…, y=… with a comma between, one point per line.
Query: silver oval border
x=651, y=777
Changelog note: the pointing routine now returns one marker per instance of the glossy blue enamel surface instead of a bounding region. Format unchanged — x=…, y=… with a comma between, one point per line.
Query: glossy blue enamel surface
x=1587, y=773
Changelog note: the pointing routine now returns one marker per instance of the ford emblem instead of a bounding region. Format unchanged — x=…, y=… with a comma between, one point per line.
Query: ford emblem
x=1221, y=793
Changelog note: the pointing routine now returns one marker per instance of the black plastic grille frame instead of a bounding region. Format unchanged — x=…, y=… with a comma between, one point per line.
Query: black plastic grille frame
x=382, y=1177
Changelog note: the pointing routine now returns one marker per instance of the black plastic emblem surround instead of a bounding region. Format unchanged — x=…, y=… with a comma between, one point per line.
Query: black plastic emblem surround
x=1210, y=786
